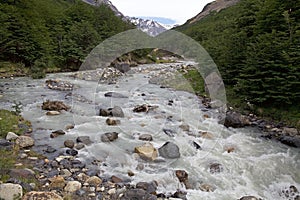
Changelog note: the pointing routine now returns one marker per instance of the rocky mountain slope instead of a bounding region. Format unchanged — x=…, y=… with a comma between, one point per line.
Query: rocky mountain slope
x=148, y=26
x=216, y=6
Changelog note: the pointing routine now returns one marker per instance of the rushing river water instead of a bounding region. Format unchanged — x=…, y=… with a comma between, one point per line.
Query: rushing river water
x=256, y=167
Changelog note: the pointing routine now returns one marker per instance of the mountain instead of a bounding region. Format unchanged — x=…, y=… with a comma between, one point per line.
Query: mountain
x=107, y=3
x=216, y=6
x=151, y=27
x=148, y=26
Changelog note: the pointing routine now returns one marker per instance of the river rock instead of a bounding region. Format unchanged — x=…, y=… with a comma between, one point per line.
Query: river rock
x=146, y=137
x=116, y=179
x=169, y=132
x=57, y=182
x=235, y=120
x=290, y=141
x=149, y=187
x=183, y=178
x=144, y=108
x=84, y=139
x=122, y=67
x=59, y=85
x=249, y=198
x=6, y=145
x=138, y=194
x=206, y=188
x=11, y=136
x=109, y=137
x=115, y=95
x=50, y=149
x=69, y=143
x=112, y=122
x=169, y=150
x=22, y=173
x=79, y=146
x=41, y=196
x=52, y=113
x=71, y=152
x=290, y=131
x=94, y=181
x=9, y=191
x=54, y=106
x=25, y=141
x=146, y=151
x=116, y=111
x=185, y=127
x=196, y=145
x=72, y=186
x=215, y=168
x=57, y=133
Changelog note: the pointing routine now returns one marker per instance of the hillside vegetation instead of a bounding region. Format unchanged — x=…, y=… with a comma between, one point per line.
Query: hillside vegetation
x=256, y=46
x=40, y=34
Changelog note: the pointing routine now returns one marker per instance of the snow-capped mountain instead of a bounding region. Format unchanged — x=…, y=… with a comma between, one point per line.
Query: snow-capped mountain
x=150, y=27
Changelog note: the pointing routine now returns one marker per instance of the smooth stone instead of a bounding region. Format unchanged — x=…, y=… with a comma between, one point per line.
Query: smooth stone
x=94, y=181
x=215, y=168
x=72, y=186
x=149, y=187
x=169, y=150
x=146, y=137
x=65, y=173
x=41, y=196
x=84, y=139
x=57, y=182
x=112, y=122
x=185, y=127
x=138, y=194
x=9, y=191
x=196, y=145
x=71, y=152
x=249, y=198
x=169, y=132
x=146, y=151
x=116, y=179
x=69, y=143
x=79, y=146
x=25, y=141
x=115, y=95
x=50, y=150
x=24, y=173
x=59, y=132
x=55, y=106
x=116, y=111
x=52, y=113
x=206, y=188
x=11, y=136
x=109, y=137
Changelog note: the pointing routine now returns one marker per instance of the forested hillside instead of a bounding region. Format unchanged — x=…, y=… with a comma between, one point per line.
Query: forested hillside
x=256, y=45
x=58, y=33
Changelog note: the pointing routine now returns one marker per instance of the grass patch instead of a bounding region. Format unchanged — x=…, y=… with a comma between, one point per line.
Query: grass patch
x=9, y=122
x=196, y=81
x=8, y=69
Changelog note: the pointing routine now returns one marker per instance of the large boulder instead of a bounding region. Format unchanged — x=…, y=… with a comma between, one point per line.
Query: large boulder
x=112, y=112
x=10, y=191
x=55, y=106
x=41, y=196
x=146, y=151
x=25, y=141
x=235, y=120
x=169, y=150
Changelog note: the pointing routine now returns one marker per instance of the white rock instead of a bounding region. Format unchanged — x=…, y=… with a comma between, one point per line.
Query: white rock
x=112, y=191
x=52, y=113
x=25, y=141
x=9, y=191
x=73, y=186
x=11, y=136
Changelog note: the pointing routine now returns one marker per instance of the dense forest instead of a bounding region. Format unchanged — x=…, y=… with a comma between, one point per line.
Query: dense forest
x=58, y=33
x=256, y=45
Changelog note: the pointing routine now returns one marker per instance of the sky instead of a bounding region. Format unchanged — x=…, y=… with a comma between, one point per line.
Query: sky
x=179, y=11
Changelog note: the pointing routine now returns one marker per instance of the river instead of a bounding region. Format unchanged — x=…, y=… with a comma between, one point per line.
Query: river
x=258, y=167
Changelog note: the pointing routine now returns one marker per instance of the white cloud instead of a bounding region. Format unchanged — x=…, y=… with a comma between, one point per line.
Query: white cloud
x=179, y=10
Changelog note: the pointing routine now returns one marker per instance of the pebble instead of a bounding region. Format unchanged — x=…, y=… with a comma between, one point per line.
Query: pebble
x=72, y=186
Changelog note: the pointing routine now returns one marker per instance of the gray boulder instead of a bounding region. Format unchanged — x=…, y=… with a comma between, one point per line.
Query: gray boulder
x=169, y=150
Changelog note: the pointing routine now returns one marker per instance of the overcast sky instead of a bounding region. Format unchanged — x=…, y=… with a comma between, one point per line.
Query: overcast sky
x=178, y=10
